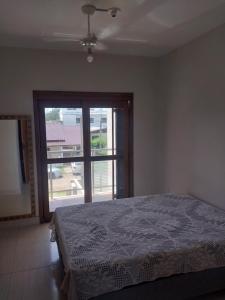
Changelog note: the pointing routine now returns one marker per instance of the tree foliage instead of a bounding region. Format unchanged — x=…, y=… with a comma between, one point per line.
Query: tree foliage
x=53, y=115
x=99, y=142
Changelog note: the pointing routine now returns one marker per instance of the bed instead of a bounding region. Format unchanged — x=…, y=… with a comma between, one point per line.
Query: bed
x=164, y=246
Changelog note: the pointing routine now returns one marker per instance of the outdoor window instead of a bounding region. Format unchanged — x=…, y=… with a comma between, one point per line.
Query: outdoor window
x=103, y=120
x=88, y=151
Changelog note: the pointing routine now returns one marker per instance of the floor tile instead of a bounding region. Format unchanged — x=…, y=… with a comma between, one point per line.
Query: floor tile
x=5, y=281
x=8, y=239
x=7, y=258
x=39, y=284
x=8, y=242
x=34, y=233
x=35, y=255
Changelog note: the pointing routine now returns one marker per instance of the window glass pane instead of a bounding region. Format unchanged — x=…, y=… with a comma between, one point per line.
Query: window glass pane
x=102, y=131
x=64, y=132
x=103, y=181
x=65, y=184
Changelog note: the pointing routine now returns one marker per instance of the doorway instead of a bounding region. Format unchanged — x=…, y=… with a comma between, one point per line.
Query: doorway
x=84, y=148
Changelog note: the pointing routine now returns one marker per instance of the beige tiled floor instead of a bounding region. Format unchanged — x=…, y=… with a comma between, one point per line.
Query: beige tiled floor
x=30, y=268
x=29, y=265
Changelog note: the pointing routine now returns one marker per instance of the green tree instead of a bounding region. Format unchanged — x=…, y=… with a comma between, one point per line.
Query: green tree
x=99, y=142
x=53, y=115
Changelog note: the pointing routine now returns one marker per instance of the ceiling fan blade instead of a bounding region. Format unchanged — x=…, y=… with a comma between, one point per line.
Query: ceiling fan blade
x=142, y=42
x=67, y=35
x=63, y=37
x=108, y=32
x=55, y=39
x=130, y=40
x=100, y=46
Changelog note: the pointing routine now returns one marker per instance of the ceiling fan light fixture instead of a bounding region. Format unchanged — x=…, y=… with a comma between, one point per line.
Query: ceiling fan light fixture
x=83, y=43
x=89, y=42
x=90, y=56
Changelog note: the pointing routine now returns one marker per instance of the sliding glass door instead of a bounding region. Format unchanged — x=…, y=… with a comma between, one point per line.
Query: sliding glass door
x=84, y=148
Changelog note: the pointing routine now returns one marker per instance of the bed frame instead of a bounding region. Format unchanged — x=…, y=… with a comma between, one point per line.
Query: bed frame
x=177, y=287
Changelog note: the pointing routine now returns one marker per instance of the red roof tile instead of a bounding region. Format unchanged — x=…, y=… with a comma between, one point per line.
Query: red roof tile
x=60, y=134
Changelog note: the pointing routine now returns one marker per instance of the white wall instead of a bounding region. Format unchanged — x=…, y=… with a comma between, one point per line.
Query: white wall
x=179, y=107
x=192, y=81
x=23, y=71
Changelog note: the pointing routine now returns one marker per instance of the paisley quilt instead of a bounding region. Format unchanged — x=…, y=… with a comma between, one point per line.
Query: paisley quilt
x=110, y=245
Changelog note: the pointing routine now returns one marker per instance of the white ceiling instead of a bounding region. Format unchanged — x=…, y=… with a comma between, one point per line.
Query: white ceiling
x=144, y=27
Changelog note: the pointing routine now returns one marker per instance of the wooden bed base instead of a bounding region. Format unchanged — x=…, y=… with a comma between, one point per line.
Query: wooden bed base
x=177, y=287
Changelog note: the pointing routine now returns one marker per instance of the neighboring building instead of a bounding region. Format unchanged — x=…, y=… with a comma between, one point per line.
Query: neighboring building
x=73, y=116
x=63, y=141
x=64, y=135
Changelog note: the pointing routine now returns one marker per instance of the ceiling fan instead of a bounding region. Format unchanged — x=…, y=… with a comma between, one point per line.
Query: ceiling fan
x=90, y=41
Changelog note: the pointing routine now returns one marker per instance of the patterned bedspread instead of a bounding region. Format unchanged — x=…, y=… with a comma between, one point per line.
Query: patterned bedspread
x=107, y=246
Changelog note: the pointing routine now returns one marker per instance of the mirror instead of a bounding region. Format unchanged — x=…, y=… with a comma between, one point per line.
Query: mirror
x=16, y=168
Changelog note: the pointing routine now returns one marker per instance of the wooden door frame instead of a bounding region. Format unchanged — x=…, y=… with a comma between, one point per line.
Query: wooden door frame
x=41, y=100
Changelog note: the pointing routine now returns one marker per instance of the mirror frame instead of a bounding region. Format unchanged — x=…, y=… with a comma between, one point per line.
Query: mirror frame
x=31, y=166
